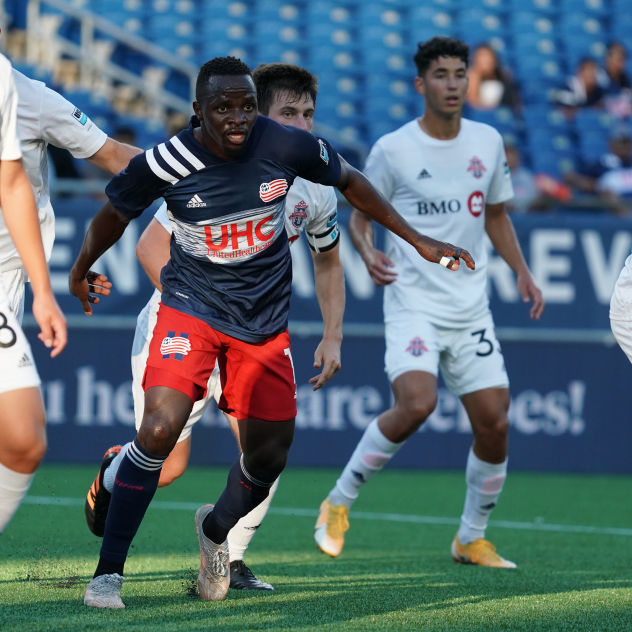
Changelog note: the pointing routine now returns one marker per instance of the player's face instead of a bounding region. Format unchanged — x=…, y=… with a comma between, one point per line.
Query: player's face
x=444, y=85
x=288, y=110
x=228, y=113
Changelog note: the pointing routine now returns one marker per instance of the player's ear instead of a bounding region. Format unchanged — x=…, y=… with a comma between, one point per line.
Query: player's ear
x=420, y=86
x=197, y=108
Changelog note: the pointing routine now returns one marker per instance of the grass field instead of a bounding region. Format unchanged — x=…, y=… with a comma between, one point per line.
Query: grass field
x=395, y=572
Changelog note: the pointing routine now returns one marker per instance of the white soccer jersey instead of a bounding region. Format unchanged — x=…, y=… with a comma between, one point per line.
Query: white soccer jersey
x=441, y=188
x=43, y=116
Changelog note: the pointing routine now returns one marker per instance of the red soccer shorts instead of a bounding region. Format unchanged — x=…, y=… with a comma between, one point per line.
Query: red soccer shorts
x=257, y=378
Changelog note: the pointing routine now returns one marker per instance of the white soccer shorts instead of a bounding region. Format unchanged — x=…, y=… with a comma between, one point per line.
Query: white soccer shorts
x=17, y=366
x=15, y=285
x=140, y=352
x=621, y=312
x=470, y=358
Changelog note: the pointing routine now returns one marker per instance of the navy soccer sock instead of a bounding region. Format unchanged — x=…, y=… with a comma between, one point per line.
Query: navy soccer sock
x=242, y=494
x=134, y=487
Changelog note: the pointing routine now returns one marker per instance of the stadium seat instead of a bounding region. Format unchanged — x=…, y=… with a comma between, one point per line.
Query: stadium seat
x=573, y=24
x=373, y=14
x=323, y=12
x=544, y=116
x=378, y=128
x=591, y=119
x=325, y=59
x=428, y=18
x=384, y=60
x=622, y=26
x=334, y=35
x=476, y=25
x=534, y=44
x=276, y=52
x=383, y=37
x=236, y=11
x=593, y=143
x=547, y=70
x=596, y=8
x=531, y=22
x=548, y=7
x=285, y=11
x=501, y=118
x=536, y=92
x=553, y=164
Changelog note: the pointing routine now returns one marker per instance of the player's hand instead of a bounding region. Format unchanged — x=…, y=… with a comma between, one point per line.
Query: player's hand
x=530, y=292
x=435, y=251
x=378, y=264
x=327, y=355
x=52, y=322
x=82, y=288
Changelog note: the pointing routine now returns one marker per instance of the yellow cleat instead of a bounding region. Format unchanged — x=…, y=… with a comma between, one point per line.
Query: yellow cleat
x=480, y=552
x=329, y=532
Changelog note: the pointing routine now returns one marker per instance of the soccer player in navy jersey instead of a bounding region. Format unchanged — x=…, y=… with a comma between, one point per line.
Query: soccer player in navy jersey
x=225, y=296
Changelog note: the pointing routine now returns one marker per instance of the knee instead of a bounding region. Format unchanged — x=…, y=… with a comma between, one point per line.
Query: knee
x=417, y=410
x=266, y=466
x=168, y=475
x=157, y=433
x=495, y=429
x=25, y=454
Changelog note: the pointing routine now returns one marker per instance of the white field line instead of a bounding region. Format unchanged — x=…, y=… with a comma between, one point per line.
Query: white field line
x=359, y=515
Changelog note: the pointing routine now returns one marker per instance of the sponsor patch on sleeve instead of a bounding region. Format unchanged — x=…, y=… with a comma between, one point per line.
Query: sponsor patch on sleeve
x=506, y=169
x=332, y=219
x=80, y=116
x=324, y=154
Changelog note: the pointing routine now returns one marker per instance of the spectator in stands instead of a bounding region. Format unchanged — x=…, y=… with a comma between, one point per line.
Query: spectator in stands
x=612, y=77
x=525, y=191
x=611, y=176
x=490, y=85
x=582, y=89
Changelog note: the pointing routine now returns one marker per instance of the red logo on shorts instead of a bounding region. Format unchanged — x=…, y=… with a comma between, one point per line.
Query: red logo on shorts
x=416, y=347
x=175, y=347
x=476, y=203
x=476, y=168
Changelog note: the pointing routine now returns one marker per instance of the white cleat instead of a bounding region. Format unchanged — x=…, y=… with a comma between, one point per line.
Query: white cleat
x=104, y=592
x=214, y=577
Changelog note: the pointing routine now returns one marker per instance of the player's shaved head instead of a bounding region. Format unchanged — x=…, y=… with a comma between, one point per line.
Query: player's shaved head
x=437, y=47
x=207, y=82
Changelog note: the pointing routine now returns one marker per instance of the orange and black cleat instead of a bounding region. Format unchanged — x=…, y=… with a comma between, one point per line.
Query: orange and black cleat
x=98, y=499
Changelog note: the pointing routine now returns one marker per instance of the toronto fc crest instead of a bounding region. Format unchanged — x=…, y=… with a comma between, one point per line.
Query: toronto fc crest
x=416, y=347
x=476, y=168
x=299, y=214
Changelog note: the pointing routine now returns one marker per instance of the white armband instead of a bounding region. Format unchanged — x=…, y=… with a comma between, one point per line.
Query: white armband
x=325, y=241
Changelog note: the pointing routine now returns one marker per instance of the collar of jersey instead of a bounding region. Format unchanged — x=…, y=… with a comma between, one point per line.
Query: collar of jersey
x=208, y=157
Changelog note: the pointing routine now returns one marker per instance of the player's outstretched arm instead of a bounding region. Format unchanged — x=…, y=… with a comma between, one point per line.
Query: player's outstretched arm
x=362, y=195
x=329, y=276
x=105, y=229
x=20, y=215
x=377, y=262
x=114, y=156
x=501, y=231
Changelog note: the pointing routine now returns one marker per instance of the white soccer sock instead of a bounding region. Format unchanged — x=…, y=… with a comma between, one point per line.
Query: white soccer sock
x=484, y=483
x=240, y=535
x=372, y=453
x=13, y=487
x=110, y=473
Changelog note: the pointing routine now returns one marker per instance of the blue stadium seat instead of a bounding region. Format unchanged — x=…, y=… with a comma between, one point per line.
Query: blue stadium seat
x=548, y=70
x=323, y=58
x=338, y=85
x=329, y=12
x=497, y=6
x=337, y=35
x=578, y=48
x=285, y=11
x=385, y=60
x=535, y=44
x=236, y=11
x=622, y=26
x=545, y=116
x=377, y=128
x=536, y=92
x=621, y=7
x=592, y=144
x=501, y=118
x=274, y=52
x=428, y=18
x=277, y=32
x=531, y=22
x=373, y=14
x=596, y=8
x=590, y=119
x=383, y=37
x=574, y=24
x=235, y=32
x=552, y=164
x=476, y=25
x=548, y=7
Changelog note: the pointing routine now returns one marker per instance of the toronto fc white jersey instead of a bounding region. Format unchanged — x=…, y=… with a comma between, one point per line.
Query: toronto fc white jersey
x=9, y=140
x=43, y=117
x=441, y=188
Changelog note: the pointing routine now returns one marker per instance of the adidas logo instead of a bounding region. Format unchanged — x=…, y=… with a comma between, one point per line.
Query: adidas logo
x=195, y=202
x=423, y=174
x=25, y=361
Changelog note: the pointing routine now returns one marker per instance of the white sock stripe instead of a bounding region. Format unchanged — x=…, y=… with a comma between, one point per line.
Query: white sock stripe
x=136, y=457
x=142, y=465
x=150, y=460
x=249, y=476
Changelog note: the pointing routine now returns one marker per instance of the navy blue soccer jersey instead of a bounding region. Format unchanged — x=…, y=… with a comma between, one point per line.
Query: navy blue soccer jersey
x=230, y=260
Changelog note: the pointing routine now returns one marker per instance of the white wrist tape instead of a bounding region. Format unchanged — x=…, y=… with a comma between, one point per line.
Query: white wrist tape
x=445, y=261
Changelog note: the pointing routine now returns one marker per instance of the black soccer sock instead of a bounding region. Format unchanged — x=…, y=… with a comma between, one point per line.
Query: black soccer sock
x=134, y=487
x=108, y=568
x=242, y=494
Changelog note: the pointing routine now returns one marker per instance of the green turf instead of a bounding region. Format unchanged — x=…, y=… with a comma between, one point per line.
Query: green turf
x=391, y=576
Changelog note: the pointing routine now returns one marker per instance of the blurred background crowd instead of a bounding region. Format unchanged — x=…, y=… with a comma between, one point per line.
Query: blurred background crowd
x=550, y=75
